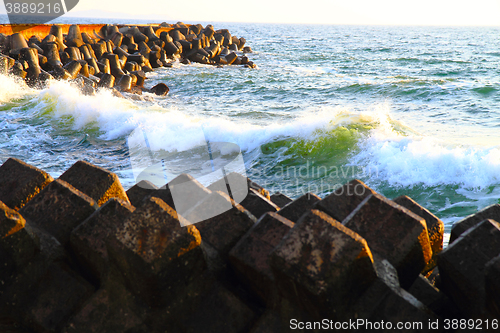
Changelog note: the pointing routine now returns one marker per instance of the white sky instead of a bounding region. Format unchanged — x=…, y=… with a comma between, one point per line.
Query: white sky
x=389, y=12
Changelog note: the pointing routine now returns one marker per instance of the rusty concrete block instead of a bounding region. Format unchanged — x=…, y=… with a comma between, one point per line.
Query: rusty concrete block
x=18, y=286
x=219, y=311
x=220, y=232
x=88, y=240
x=345, y=199
x=385, y=283
x=140, y=191
x=58, y=209
x=386, y=301
x=18, y=243
x=165, y=195
x=434, y=277
x=434, y=299
x=424, y=291
x=490, y=212
x=250, y=255
x=181, y=193
x=184, y=192
x=462, y=266
x=435, y=228
x=322, y=266
x=393, y=232
x=105, y=312
x=156, y=256
x=294, y=210
x=58, y=295
x=238, y=185
x=280, y=199
x=20, y=182
x=234, y=185
x=401, y=307
x=257, y=204
x=98, y=183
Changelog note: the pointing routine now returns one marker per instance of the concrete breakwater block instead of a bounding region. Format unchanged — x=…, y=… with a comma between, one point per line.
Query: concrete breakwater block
x=294, y=210
x=160, y=89
x=345, y=199
x=399, y=306
x=69, y=265
x=157, y=46
x=239, y=186
x=30, y=57
x=462, y=266
x=18, y=243
x=88, y=240
x=139, y=191
x=385, y=301
x=490, y=212
x=220, y=231
x=96, y=182
x=5, y=64
x=219, y=310
x=250, y=255
x=156, y=256
x=234, y=185
x=433, y=298
x=184, y=192
x=106, y=311
x=58, y=209
x=322, y=266
x=393, y=232
x=20, y=182
x=257, y=204
x=435, y=227
x=280, y=200
x=58, y=295
x=45, y=291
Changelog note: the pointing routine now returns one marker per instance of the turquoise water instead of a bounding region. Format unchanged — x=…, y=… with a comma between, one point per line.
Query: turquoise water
x=408, y=110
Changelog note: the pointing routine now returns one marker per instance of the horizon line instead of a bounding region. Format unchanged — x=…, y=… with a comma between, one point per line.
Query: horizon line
x=158, y=20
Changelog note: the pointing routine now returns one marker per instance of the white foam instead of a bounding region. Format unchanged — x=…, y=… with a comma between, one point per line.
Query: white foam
x=172, y=130
x=401, y=156
x=417, y=160
x=12, y=87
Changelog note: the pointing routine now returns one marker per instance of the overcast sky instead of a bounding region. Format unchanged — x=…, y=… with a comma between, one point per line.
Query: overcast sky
x=400, y=12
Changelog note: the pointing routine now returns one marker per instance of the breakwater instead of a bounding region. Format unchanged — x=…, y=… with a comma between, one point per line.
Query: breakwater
x=81, y=254
x=115, y=56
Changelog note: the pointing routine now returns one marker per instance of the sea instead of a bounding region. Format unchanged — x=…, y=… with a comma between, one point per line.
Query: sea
x=408, y=110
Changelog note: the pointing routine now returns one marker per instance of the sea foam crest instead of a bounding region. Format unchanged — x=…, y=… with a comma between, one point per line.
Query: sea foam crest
x=408, y=160
x=12, y=87
x=174, y=130
x=401, y=156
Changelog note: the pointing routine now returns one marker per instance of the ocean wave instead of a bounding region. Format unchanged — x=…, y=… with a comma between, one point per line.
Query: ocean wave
x=12, y=88
x=369, y=138
x=173, y=130
x=408, y=161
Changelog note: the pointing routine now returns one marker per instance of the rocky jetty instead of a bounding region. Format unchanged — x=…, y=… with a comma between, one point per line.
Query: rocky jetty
x=81, y=254
x=117, y=56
